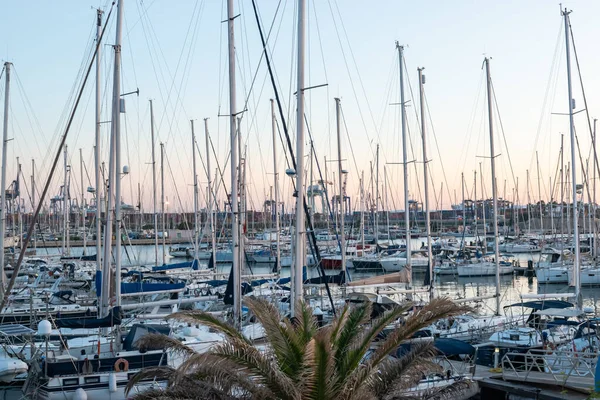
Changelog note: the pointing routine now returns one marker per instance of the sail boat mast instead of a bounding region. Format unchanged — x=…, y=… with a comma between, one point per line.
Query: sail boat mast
x=162, y=203
x=341, y=173
x=211, y=217
x=113, y=181
x=117, y=101
x=540, y=195
x=7, y=66
x=577, y=269
x=426, y=183
x=494, y=188
x=276, y=188
x=235, y=226
x=82, y=201
x=154, y=196
x=404, y=157
x=98, y=178
x=297, y=287
x=196, y=232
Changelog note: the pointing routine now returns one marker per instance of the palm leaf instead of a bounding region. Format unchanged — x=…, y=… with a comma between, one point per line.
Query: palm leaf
x=436, y=309
x=237, y=363
x=405, y=371
x=350, y=330
x=319, y=380
x=339, y=322
x=282, y=337
x=163, y=373
x=259, y=368
x=153, y=341
x=306, y=326
x=222, y=373
x=352, y=357
x=209, y=320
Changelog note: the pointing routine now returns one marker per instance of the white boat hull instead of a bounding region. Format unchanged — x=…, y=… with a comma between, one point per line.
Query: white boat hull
x=588, y=277
x=56, y=390
x=483, y=269
x=552, y=275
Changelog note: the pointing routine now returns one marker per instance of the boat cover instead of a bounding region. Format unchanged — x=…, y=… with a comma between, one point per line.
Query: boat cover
x=113, y=318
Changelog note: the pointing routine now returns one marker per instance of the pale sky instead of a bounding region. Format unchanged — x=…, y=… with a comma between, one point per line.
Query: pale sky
x=175, y=53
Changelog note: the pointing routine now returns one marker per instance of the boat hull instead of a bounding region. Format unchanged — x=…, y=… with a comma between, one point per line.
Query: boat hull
x=483, y=269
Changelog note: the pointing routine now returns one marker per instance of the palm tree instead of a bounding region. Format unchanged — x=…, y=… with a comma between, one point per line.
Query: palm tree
x=345, y=360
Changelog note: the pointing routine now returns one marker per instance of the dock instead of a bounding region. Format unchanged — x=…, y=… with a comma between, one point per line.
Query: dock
x=539, y=375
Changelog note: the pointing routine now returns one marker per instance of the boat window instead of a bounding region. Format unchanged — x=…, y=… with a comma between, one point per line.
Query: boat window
x=514, y=337
x=546, y=258
x=70, y=381
x=92, y=379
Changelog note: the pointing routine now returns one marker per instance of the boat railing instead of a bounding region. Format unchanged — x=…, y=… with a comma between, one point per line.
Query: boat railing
x=551, y=366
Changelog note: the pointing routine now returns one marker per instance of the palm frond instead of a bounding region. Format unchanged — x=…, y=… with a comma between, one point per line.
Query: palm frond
x=282, y=337
x=339, y=322
x=209, y=320
x=350, y=330
x=319, y=381
x=163, y=373
x=306, y=326
x=259, y=368
x=352, y=357
x=406, y=370
x=222, y=373
x=436, y=309
x=156, y=341
x=373, y=378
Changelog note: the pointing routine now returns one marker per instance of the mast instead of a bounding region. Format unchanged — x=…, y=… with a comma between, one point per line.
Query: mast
x=98, y=177
x=82, y=200
x=235, y=227
x=552, y=231
x=118, y=107
x=562, y=190
x=276, y=188
x=528, y=205
x=377, y=196
x=494, y=189
x=154, y=196
x=426, y=185
x=242, y=192
x=404, y=157
x=540, y=195
x=113, y=178
x=196, y=232
x=589, y=193
x=140, y=207
x=577, y=269
x=65, y=241
x=475, y=206
x=362, y=210
x=594, y=249
x=211, y=217
x=464, y=208
x=341, y=174
x=300, y=217
x=162, y=202
x=483, y=202
x=33, y=197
